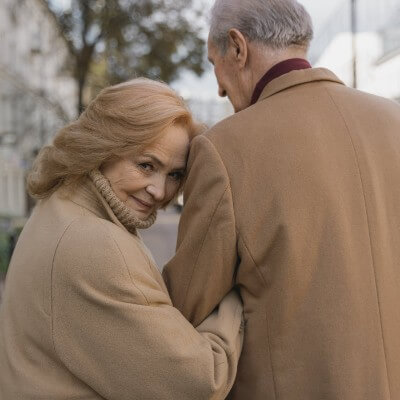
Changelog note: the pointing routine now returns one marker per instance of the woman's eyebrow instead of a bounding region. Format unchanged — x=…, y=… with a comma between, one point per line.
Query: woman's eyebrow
x=155, y=159
x=180, y=168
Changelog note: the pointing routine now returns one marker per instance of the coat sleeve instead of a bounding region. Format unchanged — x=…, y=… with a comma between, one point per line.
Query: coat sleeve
x=115, y=329
x=203, y=268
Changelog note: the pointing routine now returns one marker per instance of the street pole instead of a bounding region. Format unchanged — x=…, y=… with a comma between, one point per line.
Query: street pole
x=354, y=40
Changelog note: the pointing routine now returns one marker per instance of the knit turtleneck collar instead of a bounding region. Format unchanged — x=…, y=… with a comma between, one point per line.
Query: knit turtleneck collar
x=123, y=213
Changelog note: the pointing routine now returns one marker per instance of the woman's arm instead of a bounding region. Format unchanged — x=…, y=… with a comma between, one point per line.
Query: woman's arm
x=115, y=328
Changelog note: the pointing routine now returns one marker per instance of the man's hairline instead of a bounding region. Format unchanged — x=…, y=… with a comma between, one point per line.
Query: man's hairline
x=222, y=51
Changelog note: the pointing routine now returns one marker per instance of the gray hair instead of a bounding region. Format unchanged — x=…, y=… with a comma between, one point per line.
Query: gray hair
x=274, y=23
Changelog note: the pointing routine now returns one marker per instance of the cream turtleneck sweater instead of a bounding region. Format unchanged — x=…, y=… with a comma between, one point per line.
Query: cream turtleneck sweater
x=123, y=213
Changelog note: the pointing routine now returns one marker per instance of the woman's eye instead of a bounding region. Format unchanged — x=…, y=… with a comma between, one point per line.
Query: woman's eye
x=147, y=167
x=176, y=176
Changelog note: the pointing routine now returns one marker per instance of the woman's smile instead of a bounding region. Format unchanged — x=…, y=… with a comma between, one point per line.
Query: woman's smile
x=146, y=205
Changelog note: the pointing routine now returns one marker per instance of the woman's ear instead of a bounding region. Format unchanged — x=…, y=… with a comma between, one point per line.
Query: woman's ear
x=238, y=47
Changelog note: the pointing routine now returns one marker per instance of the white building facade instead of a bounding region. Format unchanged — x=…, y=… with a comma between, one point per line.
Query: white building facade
x=37, y=92
x=377, y=46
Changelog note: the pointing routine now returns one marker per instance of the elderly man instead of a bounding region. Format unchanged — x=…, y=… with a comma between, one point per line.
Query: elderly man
x=295, y=199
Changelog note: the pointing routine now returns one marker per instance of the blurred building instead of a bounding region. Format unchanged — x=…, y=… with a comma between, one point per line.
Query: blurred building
x=37, y=92
x=209, y=111
x=377, y=46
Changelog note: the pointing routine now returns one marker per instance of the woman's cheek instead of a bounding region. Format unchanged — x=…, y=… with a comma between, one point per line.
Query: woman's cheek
x=171, y=192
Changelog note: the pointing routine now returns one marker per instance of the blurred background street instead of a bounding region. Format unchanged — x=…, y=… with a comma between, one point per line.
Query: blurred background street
x=58, y=54
x=161, y=237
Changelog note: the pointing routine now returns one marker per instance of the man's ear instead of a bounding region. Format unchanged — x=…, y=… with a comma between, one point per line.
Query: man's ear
x=238, y=47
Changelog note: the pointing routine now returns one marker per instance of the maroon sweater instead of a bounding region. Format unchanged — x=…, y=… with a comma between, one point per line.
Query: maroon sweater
x=276, y=71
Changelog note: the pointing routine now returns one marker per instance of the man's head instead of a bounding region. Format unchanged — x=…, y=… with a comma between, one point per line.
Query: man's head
x=247, y=37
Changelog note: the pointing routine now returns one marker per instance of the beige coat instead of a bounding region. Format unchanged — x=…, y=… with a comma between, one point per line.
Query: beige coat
x=297, y=200
x=86, y=315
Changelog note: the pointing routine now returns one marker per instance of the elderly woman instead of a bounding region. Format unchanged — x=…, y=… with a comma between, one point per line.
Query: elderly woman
x=85, y=313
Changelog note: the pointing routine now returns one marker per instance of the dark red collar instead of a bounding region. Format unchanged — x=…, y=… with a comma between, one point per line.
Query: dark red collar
x=276, y=71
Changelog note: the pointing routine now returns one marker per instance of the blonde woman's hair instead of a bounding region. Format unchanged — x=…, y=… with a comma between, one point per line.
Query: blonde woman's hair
x=123, y=119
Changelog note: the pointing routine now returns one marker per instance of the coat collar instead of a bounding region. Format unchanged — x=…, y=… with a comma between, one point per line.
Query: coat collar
x=87, y=196
x=282, y=68
x=298, y=77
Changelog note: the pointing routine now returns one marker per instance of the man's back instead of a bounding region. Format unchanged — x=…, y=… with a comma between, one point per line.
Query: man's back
x=295, y=200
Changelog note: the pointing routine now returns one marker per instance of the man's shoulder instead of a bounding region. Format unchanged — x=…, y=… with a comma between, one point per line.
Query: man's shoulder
x=350, y=94
x=232, y=130
x=366, y=108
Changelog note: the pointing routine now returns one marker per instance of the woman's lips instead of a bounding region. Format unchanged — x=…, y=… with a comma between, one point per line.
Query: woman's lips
x=146, y=206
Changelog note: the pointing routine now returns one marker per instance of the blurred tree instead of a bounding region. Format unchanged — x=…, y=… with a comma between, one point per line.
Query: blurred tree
x=114, y=40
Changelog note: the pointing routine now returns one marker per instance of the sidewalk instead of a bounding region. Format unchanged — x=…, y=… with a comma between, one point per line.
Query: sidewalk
x=1, y=288
x=161, y=237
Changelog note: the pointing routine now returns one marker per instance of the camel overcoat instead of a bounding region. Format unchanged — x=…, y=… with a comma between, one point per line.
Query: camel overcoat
x=297, y=200
x=86, y=315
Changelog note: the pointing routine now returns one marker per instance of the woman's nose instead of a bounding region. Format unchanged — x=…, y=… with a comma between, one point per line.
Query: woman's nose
x=221, y=91
x=157, y=189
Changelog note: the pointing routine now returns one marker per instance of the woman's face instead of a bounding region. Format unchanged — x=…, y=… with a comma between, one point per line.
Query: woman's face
x=147, y=181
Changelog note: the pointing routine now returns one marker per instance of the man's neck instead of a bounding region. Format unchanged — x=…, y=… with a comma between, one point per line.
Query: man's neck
x=264, y=58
